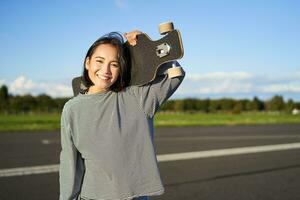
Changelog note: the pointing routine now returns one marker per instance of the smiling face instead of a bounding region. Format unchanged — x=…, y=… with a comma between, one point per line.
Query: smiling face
x=103, y=68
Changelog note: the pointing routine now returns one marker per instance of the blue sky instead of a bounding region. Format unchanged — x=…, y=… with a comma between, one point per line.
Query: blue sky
x=237, y=49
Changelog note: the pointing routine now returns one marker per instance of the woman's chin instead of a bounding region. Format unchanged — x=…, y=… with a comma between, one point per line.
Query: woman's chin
x=103, y=81
x=102, y=86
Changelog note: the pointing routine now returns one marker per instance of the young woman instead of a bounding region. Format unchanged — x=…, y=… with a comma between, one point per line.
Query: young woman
x=107, y=130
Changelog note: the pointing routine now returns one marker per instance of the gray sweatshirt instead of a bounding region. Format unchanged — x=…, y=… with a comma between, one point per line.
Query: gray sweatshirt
x=107, y=142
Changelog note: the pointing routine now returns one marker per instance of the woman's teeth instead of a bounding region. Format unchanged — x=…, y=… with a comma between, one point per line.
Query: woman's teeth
x=103, y=77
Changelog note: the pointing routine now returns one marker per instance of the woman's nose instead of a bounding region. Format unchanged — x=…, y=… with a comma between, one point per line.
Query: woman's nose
x=105, y=68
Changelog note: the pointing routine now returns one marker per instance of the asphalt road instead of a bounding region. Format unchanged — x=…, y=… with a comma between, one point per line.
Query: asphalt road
x=264, y=175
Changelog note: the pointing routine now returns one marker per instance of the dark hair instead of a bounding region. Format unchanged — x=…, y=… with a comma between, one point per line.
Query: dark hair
x=115, y=39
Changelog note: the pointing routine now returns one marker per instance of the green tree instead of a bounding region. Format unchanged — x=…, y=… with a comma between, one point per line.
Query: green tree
x=290, y=105
x=276, y=103
x=3, y=93
x=59, y=103
x=168, y=105
x=297, y=105
x=214, y=105
x=257, y=104
x=4, y=98
x=23, y=104
x=226, y=104
x=190, y=104
x=179, y=106
x=45, y=103
x=203, y=105
x=244, y=103
x=238, y=107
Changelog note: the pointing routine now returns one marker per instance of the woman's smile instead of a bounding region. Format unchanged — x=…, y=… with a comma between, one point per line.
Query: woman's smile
x=103, y=77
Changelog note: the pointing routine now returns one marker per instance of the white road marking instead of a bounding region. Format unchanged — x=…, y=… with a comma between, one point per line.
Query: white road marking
x=20, y=171
x=227, y=152
x=163, y=158
x=245, y=137
x=46, y=141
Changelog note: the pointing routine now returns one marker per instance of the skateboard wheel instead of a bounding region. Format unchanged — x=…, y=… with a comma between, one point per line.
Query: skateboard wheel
x=165, y=27
x=174, y=72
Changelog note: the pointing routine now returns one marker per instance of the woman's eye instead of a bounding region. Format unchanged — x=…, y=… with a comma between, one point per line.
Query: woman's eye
x=99, y=61
x=115, y=65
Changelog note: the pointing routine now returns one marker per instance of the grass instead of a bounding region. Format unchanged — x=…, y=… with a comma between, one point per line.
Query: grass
x=30, y=122
x=51, y=122
x=227, y=119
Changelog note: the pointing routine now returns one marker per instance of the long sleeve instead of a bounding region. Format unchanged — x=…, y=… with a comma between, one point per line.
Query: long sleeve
x=71, y=169
x=154, y=94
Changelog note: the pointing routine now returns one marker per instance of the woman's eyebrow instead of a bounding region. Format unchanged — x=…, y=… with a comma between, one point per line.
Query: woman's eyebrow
x=104, y=59
x=99, y=57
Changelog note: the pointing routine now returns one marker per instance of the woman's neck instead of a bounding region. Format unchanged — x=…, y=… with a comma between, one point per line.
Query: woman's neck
x=94, y=90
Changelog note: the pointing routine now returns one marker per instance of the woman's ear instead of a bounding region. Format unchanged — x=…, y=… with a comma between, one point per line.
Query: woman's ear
x=87, y=63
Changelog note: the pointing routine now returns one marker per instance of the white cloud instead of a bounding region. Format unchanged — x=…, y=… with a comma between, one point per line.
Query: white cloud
x=22, y=85
x=281, y=88
x=2, y=81
x=217, y=82
x=239, y=84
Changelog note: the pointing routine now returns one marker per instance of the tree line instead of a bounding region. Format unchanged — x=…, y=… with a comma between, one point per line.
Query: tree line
x=10, y=104
x=21, y=104
x=276, y=103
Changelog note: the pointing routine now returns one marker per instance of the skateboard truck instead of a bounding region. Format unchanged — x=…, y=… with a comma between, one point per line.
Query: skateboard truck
x=164, y=49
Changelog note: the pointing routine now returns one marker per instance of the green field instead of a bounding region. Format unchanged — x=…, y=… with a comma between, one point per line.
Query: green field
x=227, y=119
x=50, y=122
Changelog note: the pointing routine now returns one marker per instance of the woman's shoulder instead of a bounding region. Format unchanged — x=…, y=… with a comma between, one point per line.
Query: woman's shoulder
x=131, y=90
x=67, y=106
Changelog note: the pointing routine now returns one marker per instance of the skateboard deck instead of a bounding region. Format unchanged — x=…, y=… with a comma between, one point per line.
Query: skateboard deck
x=146, y=57
x=77, y=85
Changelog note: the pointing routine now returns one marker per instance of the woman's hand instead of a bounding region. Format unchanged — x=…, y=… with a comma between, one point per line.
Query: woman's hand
x=132, y=36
